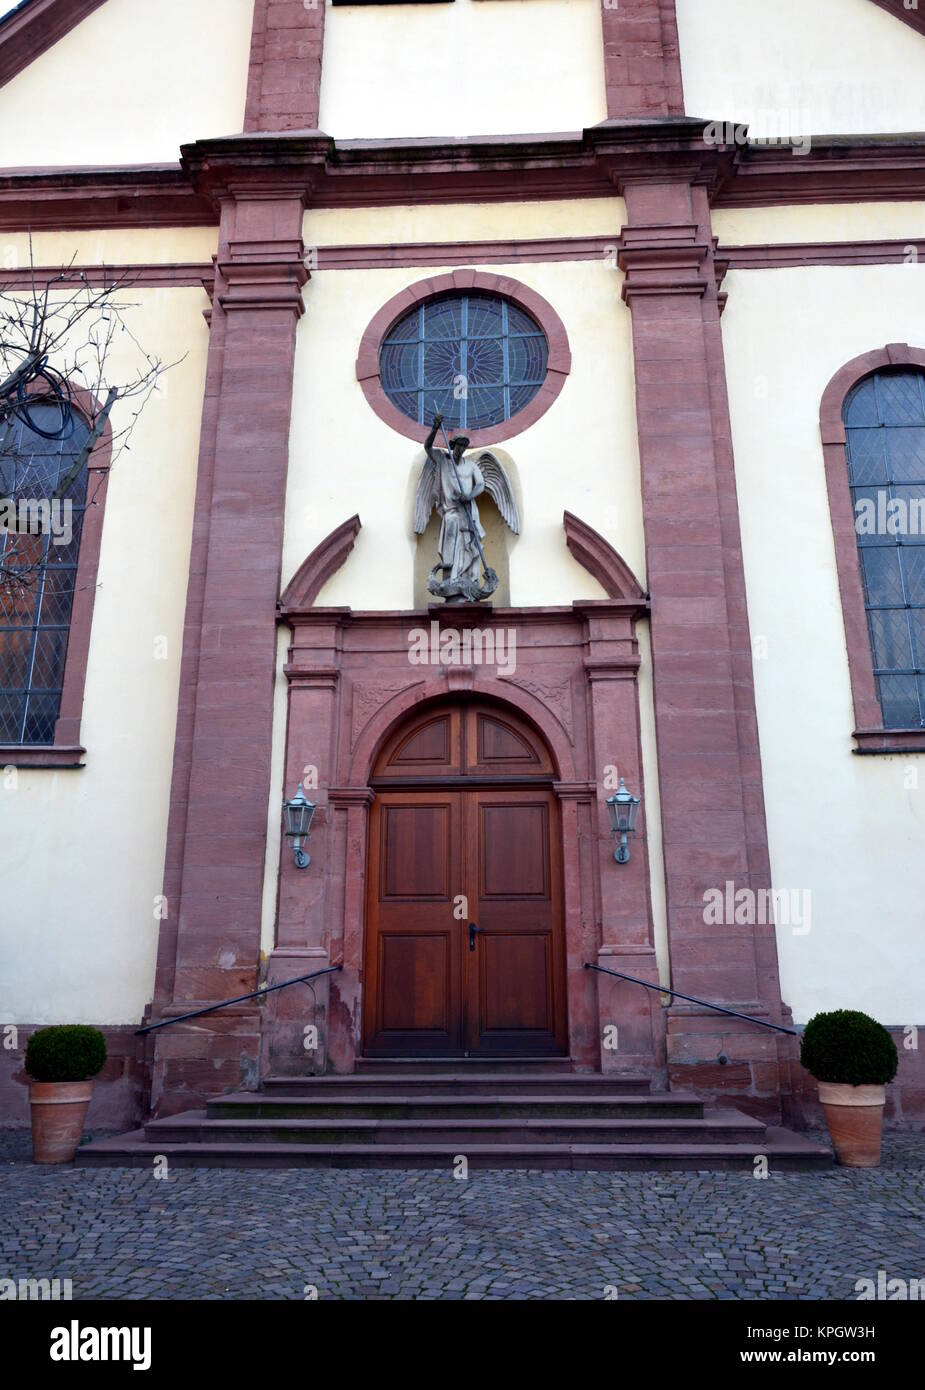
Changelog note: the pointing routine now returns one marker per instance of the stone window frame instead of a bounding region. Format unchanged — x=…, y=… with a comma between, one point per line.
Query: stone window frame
x=870, y=735
x=67, y=751
x=464, y=282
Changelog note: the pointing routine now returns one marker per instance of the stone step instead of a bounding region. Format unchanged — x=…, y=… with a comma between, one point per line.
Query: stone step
x=434, y=1066
x=417, y=1106
x=719, y=1126
x=784, y=1151
x=450, y=1082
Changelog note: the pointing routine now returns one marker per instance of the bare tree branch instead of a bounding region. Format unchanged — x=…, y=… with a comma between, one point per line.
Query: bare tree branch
x=56, y=340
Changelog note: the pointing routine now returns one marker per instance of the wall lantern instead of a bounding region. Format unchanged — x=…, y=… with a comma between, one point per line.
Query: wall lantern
x=298, y=813
x=623, y=808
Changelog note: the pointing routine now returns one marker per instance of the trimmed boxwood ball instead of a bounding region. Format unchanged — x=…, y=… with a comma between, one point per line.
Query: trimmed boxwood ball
x=66, y=1052
x=848, y=1048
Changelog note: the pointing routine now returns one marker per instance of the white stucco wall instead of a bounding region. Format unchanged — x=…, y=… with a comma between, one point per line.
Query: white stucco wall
x=130, y=84
x=85, y=847
x=851, y=829
x=581, y=455
x=820, y=66
x=819, y=222
x=477, y=67
x=109, y=246
x=454, y=222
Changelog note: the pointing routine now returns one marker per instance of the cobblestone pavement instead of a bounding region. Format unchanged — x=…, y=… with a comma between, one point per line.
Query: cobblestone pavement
x=120, y=1233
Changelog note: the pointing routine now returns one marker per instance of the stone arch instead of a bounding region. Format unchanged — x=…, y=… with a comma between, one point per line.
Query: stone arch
x=601, y=560
x=316, y=569
x=499, y=692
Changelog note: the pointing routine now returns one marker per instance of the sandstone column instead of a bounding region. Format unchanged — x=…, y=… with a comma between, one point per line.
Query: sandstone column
x=709, y=759
x=210, y=945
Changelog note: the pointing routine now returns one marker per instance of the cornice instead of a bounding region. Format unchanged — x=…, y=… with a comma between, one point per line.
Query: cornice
x=651, y=151
x=349, y=173
x=837, y=169
x=360, y=173
x=599, y=162
x=158, y=195
x=258, y=165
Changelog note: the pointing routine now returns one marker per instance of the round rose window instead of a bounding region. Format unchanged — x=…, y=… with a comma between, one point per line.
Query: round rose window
x=475, y=358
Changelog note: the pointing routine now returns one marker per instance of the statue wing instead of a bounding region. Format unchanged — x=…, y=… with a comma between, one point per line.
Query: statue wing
x=426, y=497
x=498, y=487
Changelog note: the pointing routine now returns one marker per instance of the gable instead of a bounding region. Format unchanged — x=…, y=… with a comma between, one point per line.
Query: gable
x=902, y=9
x=826, y=67
x=28, y=29
x=127, y=82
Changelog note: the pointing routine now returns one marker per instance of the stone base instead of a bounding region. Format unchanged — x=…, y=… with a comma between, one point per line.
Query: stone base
x=729, y=1059
x=205, y=1057
x=295, y=1031
x=631, y=1017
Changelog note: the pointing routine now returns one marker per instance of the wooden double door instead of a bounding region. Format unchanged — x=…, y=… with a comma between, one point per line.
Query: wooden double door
x=464, y=932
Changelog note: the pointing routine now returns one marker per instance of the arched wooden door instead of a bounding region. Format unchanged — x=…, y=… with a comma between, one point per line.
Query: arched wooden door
x=465, y=953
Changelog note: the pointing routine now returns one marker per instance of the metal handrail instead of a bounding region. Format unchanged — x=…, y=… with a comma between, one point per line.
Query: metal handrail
x=254, y=994
x=676, y=994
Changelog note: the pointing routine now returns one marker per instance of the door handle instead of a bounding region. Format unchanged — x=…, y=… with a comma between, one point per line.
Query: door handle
x=472, y=931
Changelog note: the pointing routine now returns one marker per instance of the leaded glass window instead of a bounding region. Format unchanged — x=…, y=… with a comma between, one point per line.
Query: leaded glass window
x=38, y=568
x=476, y=358
x=885, y=426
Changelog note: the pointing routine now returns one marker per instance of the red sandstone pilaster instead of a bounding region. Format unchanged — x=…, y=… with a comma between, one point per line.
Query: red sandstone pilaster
x=642, y=63
x=710, y=769
x=284, y=80
x=210, y=944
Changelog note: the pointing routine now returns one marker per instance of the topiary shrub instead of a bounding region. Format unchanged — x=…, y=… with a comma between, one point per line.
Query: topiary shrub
x=848, y=1048
x=67, y=1052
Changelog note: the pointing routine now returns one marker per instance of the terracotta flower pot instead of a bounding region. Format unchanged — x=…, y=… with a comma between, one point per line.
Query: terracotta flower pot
x=854, y=1115
x=59, y=1109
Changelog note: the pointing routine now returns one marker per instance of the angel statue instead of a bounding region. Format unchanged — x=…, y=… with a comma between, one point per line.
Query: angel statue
x=451, y=482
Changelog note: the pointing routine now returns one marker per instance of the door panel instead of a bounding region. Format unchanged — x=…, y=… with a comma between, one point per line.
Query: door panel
x=513, y=851
x=515, y=999
x=499, y=744
x=414, y=970
x=413, y=993
x=506, y=963
x=416, y=855
x=457, y=853
x=430, y=747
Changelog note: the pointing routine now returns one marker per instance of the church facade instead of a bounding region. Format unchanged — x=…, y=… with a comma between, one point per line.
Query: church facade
x=659, y=266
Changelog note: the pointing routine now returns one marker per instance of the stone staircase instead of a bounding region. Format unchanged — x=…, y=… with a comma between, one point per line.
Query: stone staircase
x=519, y=1116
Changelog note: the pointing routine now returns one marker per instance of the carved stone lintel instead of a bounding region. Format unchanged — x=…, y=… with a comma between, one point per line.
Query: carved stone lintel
x=460, y=678
x=369, y=698
x=555, y=695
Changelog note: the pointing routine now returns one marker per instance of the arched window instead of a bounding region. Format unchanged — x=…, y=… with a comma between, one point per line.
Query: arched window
x=884, y=419
x=43, y=496
x=477, y=358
